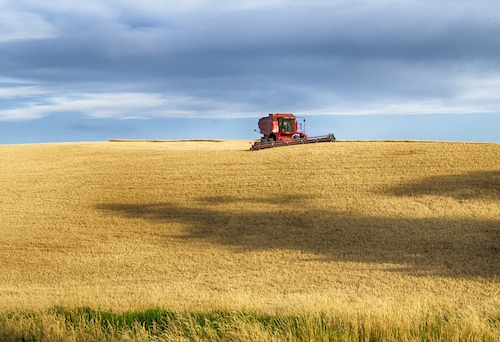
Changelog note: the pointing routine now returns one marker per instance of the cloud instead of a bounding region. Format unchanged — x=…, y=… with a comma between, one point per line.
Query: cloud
x=21, y=92
x=16, y=25
x=224, y=58
x=122, y=106
x=484, y=89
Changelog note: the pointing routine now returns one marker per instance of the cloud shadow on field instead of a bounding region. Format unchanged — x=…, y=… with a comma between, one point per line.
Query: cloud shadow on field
x=439, y=246
x=473, y=185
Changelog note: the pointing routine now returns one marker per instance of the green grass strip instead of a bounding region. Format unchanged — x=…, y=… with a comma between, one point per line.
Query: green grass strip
x=82, y=324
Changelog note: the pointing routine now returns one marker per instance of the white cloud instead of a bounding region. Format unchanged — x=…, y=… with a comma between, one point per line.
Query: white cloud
x=18, y=25
x=21, y=92
x=15, y=80
x=124, y=106
x=151, y=105
x=429, y=106
x=480, y=88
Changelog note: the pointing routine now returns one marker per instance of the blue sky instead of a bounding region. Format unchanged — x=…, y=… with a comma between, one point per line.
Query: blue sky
x=91, y=70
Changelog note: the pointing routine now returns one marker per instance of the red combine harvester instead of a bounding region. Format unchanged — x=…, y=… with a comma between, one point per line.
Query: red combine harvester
x=283, y=130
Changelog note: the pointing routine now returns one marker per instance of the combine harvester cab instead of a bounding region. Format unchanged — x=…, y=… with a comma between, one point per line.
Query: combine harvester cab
x=282, y=129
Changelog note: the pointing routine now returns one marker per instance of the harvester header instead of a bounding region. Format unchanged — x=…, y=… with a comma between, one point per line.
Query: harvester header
x=284, y=129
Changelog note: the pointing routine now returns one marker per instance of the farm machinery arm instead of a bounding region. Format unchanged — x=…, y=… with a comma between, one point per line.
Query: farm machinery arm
x=260, y=145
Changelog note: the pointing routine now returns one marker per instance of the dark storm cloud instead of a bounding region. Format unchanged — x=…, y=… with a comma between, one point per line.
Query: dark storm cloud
x=343, y=56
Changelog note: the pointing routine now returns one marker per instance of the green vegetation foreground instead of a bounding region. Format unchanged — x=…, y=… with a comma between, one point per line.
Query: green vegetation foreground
x=86, y=324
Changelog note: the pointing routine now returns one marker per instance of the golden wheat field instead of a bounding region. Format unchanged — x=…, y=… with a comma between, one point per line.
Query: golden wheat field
x=393, y=231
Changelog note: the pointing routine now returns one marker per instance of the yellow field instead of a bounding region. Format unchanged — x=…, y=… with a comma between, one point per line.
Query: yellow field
x=390, y=230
